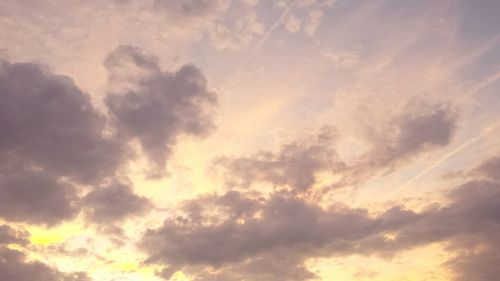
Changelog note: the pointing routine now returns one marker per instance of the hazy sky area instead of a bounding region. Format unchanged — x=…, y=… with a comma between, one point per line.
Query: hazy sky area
x=249, y=140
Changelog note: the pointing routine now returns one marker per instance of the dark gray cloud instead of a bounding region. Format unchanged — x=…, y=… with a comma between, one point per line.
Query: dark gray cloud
x=470, y=225
x=236, y=231
x=490, y=168
x=274, y=266
x=161, y=107
x=295, y=165
x=418, y=129
x=32, y=197
x=49, y=124
x=9, y=235
x=214, y=231
x=114, y=203
x=14, y=266
x=51, y=137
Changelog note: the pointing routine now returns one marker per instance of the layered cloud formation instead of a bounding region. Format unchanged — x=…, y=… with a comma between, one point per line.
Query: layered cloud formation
x=308, y=140
x=236, y=232
x=57, y=146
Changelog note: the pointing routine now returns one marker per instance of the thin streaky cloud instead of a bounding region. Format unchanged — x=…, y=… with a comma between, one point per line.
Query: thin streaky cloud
x=446, y=157
x=234, y=79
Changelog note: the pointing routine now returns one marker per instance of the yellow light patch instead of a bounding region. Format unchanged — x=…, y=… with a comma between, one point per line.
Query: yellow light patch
x=47, y=236
x=180, y=276
x=129, y=266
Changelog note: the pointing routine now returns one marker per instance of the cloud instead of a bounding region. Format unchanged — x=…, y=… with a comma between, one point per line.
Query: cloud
x=236, y=231
x=293, y=24
x=344, y=60
x=52, y=137
x=54, y=140
x=315, y=18
x=14, y=266
x=9, y=235
x=114, y=203
x=49, y=124
x=162, y=107
x=295, y=165
x=192, y=12
x=490, y=168
x=417, y=128
x=237, y=32
x=311, y=14
x=213, y=233
x=35, y=198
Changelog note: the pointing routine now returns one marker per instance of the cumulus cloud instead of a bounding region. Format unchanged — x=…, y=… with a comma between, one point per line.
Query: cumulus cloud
x=54, y=140
x=113, y=203
x=295, y=165
x=240, y=239
x=14, y=266
x=51, y=137
x=235, y=231
x=163, y=106
x=49, y=124
x=417, y=128
x=9, y=235
x=239, y=234
x=35, y=198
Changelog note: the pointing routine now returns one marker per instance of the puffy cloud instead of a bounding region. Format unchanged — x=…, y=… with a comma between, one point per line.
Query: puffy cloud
x=35, y=198
x=49, y=124
x=270, y=242
x=417, y=129
x=214, y=231
x=236, y=232
x=54, y=140
x=295, y=165
x=114, y=203
x=51, y=136
x=9, y=235
x=14, y=266
x=162, y=106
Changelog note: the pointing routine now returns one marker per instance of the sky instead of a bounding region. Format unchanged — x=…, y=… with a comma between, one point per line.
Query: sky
x=249, y=140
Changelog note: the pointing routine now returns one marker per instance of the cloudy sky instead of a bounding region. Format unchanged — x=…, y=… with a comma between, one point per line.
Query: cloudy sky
x=251, y=140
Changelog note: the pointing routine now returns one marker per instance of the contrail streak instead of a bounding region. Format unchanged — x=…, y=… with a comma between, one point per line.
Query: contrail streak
x=486, y=82
x=457, y=150
x=234, y=78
